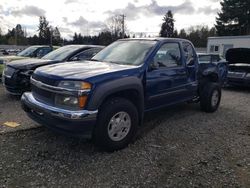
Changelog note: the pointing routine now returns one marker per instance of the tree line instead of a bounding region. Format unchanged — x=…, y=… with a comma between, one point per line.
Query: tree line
x=197, y=34
x=48, y=35
x=233, y=19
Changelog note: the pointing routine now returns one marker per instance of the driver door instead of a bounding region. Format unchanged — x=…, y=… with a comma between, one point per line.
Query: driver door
x=166, y=77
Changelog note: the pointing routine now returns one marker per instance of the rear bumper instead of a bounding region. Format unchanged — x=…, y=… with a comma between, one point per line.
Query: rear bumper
x=74, y=123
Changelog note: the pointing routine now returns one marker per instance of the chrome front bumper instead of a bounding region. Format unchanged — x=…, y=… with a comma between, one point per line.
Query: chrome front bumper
x=29, y=103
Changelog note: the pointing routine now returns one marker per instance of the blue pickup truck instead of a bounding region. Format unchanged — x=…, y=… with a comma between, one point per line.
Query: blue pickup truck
x=106, y=98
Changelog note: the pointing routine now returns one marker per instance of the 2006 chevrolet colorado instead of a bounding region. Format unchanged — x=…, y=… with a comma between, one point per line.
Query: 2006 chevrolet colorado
x=106, y=98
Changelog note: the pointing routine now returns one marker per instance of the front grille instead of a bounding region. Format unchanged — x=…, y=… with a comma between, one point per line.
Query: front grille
x=9, y=71
x=40, y=94
x=43, y=95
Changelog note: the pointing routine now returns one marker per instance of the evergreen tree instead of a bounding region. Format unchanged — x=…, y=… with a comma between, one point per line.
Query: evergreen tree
x=167, y=27
x=44, y=31
x=16, y=36
x=234, y=18
x=183, y=34
x=19, y=31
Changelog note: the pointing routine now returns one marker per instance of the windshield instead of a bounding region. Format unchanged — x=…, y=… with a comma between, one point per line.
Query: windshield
x=125, y=52
x=28, y=51
x=204, y=58
x=61, y=53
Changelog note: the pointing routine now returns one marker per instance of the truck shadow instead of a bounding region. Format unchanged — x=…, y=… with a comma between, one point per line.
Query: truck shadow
x=151, y=121
x=157, y=117
x=237, y=89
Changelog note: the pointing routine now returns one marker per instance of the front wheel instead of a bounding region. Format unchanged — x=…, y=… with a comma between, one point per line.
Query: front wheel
x=116, y=125
x=210, y=97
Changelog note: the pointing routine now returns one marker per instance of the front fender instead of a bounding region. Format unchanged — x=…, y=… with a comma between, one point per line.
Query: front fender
x=102, y=91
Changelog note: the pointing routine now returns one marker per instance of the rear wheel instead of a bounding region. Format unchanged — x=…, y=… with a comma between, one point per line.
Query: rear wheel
x=210, y=97
x=116, y=125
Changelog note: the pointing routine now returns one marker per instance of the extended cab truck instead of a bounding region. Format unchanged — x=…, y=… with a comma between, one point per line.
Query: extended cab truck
x=106, y=98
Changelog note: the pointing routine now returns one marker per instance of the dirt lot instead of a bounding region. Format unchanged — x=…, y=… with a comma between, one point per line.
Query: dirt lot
x=177, y=147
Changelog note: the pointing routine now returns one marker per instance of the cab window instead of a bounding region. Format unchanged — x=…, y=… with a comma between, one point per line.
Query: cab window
x=189, y=52
x=42, y=52
x=168, y=55
x=86, y=54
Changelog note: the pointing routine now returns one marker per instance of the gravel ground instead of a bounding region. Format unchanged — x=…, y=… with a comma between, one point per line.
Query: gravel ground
x=177, y=147
x=10, y=111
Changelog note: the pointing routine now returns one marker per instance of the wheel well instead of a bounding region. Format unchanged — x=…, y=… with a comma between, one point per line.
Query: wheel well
x=131, y=95
x=208, y=78
x=213, y=78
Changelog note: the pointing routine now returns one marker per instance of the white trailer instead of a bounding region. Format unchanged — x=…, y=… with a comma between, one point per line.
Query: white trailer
x=219, y=45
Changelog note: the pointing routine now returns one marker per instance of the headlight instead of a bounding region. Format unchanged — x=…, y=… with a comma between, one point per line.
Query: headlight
x=72, y=101
x=76, y=85
x=66, y=101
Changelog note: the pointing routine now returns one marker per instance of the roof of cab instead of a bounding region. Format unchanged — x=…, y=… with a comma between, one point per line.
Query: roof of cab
x=85, y=46
x=158, y=39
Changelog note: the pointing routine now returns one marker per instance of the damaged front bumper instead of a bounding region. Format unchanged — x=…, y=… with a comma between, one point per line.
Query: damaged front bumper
x=70, y=122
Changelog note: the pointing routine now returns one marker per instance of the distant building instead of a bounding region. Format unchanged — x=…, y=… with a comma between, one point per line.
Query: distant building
x=220, y=45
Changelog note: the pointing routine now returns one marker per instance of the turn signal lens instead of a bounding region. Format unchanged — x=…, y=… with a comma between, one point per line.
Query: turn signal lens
x=82, y=101
x=85, y=85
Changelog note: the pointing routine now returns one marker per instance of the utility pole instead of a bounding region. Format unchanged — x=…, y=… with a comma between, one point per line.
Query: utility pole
x=123, y=25
x=15, y=36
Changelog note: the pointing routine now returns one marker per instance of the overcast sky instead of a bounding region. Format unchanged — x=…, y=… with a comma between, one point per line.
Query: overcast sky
x=89, y=16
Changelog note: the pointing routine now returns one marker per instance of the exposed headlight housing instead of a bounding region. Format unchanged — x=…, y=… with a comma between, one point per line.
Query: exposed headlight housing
x=27, y=72
x=70, y=101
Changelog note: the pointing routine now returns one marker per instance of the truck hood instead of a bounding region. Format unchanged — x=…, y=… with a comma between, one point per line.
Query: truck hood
x=30, y=63
x=80, y=70
x=238, y=55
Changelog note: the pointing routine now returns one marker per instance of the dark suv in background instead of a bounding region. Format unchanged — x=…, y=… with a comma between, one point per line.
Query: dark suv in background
x=16, y=74
x=32, y=51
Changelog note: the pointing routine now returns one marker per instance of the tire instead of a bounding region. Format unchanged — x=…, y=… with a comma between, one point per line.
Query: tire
x=210, y=97
x=111, y=112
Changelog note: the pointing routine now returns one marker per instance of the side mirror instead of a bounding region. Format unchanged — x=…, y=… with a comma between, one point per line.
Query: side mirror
x=153, y=66
x=39, y=55
x=75, y=59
